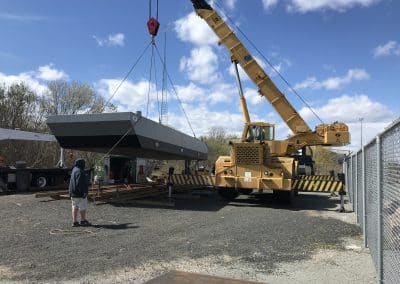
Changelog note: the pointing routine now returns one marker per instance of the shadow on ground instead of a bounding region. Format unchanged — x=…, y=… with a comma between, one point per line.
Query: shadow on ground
x=210, y=201
x=114, y=226
x=248, y=230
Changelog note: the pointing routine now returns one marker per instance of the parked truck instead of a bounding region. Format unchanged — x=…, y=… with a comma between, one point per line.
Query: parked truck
x=21, y=178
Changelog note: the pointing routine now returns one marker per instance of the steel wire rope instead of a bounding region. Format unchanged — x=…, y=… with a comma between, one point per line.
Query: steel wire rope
x=164, y=82
x=153, y=71
x=150, y=76
x=119, y=141
x=156, y=84
x=150, y=9
x=126, y=76
x=175, y=92
x=115, y=91
x=269, y=63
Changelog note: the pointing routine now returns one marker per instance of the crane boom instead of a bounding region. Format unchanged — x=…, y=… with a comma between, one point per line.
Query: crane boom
x=325, y=134
x=241, y=55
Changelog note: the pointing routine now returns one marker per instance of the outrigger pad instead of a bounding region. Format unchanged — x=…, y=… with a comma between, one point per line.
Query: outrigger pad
x=144, y=137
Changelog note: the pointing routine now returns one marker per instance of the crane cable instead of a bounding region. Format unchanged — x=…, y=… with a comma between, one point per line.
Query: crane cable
x=150, y=76
x=156, y=85
x=151, y=11
x=126, y=76
x=153, y=67
x=153, y=29
x=269, y=63
x=175, y=92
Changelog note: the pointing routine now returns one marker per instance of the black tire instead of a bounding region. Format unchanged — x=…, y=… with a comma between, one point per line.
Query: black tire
x=41, y=181
x=3, y=186
x=228, y=193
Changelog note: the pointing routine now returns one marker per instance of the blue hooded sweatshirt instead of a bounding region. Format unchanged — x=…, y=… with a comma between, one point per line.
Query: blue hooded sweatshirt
x=78, y=184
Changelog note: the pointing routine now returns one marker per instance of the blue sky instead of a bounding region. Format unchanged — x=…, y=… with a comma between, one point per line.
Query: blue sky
x=342, y=56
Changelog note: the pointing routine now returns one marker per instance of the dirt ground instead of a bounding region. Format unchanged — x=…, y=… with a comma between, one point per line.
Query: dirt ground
x=249, y=238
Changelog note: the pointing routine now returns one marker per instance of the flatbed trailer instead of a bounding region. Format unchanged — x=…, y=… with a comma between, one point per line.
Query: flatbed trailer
x=14, y=179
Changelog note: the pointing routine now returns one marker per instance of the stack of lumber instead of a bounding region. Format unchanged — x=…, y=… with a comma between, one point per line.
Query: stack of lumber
x=113, y=193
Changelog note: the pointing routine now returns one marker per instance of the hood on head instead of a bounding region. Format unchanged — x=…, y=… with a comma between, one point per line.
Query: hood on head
x=80, y=163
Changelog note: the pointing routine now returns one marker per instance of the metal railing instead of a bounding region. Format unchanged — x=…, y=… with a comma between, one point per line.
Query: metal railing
x=373, y=185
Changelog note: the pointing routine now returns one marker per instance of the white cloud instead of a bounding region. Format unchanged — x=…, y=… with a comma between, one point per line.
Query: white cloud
x=48, y=73
x=20, y=18
x=202, y=119
x=190, y=93
x=35, y=79
x=253, y=97
x=117, y=39
x=349, y=109
x=218, y=93
x=223, y=93
x=304, y=6
x=231, y=4
x=201, y=66
x=334, y=83
x=28, y=78
x=195, y=30
x=130, y=96
x=387, y=49
x=268, y=4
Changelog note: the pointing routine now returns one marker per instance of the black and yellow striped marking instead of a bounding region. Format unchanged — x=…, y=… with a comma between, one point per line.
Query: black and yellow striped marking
x=197, y=180
x=301, y=183
x=316, y=177
x=317, y=184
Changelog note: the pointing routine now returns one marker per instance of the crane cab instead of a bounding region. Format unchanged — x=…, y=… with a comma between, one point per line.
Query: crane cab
x=258, y=132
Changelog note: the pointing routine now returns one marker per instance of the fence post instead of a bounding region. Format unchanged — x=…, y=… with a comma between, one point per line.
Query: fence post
x=356, y=187
x=380, y=227
x=346, y=178
x=351, y=183
x=364, y=201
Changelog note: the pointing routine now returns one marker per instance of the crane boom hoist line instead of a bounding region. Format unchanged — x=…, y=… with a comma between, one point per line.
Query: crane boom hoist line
x=153, y=24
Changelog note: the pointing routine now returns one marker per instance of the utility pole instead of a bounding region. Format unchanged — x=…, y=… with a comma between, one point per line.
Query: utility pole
x=361, y=119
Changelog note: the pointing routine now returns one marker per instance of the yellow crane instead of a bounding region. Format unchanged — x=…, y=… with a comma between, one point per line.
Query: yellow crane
x=259, y=161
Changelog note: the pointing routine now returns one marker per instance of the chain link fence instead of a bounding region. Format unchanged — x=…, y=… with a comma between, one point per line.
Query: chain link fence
x=373, y=179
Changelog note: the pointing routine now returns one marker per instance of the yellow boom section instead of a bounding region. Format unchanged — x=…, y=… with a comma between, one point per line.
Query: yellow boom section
x=240, y=54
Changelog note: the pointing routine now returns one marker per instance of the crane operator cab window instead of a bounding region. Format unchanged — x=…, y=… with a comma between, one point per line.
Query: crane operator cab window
x=260, y=133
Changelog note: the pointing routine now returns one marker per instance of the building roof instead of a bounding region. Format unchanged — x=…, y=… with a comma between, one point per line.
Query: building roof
x=10, y=134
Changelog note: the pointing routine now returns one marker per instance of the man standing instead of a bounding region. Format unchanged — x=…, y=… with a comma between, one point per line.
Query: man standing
x=78, y=191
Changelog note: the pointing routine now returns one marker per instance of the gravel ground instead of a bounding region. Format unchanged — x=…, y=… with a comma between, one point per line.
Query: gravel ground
x=248, y=238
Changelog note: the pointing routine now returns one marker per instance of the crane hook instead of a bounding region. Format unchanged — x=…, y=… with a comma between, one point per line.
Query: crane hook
x=153, y=24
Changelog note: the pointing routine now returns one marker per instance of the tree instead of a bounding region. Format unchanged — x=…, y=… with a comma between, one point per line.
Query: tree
x=325, y=161
x=19, y=108
x=217, y=133
x=73, y=98
x=218, y=144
